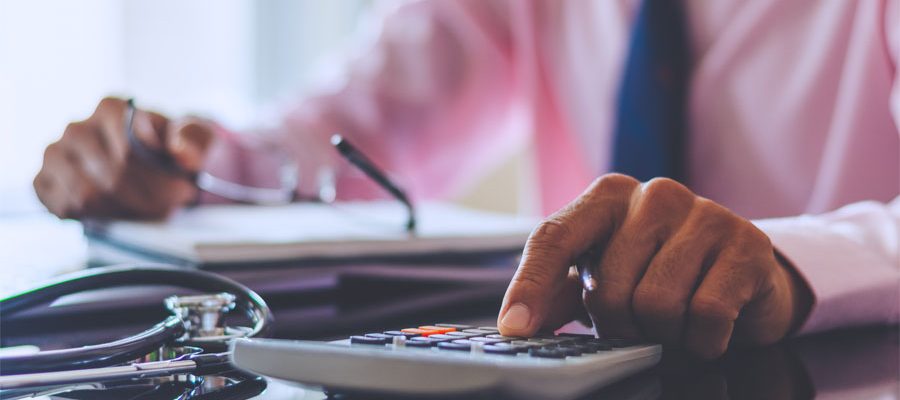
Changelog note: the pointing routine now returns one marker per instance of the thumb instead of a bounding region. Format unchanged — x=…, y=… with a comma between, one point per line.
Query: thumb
x=188, y=142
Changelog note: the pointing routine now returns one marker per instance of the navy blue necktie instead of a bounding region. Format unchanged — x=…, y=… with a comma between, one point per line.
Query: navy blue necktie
x=651, y=123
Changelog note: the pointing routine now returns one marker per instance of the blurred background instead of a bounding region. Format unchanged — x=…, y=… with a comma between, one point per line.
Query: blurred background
x=233, y=60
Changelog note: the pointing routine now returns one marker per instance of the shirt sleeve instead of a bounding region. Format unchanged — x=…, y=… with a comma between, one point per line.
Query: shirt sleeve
x=429, y=103
x=850, y=258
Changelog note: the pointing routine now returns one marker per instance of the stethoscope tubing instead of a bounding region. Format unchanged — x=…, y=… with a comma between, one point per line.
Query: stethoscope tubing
x=197, y=364
x=131, y=348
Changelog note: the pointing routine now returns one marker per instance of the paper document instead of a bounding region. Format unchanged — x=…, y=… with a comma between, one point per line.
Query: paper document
x=240, y=233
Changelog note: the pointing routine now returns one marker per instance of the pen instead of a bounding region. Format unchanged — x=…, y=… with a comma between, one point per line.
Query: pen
x=362, y=162
x=158, y=159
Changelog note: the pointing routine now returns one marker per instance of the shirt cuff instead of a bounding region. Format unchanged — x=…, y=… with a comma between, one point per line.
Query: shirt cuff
x=851, y=285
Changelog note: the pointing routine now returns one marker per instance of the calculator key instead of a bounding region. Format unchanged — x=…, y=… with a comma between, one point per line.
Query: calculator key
x=387, y=338
x=554, y=339
x=422, y=339
x=568, y=351
x=442, y=337
x=454, y=346
x=525, y=343
x=498, y=349
x=504, y=338
x=540, y=342
x=458, y=327
x=399, y=333
x=486, y=340
x=480, y=331
x=509, y=346
x=437, y=328
x=367, y=340
x=420, y=343
x=587, y=347
x=462, y=334
x=423, y=332
x=546, y=353
x=583, y=339
x=489, y=328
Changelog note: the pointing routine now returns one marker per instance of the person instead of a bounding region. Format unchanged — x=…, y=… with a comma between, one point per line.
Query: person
x=786, y=220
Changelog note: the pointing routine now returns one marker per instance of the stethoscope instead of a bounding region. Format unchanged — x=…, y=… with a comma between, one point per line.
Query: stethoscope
x=193, y=340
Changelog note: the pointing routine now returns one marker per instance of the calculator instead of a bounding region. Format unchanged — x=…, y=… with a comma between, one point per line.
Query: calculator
x=444, y=359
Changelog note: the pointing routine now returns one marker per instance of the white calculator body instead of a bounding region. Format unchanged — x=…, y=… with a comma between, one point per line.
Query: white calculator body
x=445, y=359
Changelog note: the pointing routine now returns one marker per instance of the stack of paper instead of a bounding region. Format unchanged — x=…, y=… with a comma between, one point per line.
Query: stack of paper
x=238, y=233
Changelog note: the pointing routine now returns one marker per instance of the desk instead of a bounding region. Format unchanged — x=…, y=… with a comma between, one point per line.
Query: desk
x=857, y=364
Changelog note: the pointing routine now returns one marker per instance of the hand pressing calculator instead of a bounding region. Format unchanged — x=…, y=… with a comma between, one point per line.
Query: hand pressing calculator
x=444, y=359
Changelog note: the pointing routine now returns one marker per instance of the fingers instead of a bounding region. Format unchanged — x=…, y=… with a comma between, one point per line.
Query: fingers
x=663, y=264
x=660, y=301
x=659, y=207
x=552, y=248
x=188, y=142
x=110, y=118
x=71, y=190
x=566, y=305
x=715, y=306
x=89, y=173
x=85, y=147
x=49, y=187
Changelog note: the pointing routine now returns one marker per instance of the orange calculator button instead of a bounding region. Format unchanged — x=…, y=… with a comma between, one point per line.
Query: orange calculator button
x=423, y=332
x=438, y=329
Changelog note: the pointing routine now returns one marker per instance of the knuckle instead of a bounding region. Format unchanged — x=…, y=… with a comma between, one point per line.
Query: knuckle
x=612, y=299
x=41, y=185
x=652, y=302
x=531, y=278
x=664, y=188
x=755, y=238
x=109, y=103
x=52, y=151
x=662, y=206
x=664, y=195
x=753, y=272
x=706, y=307
x=713, y=217
x=75, y=131
x=550, y=232
x=748, y=247
x=108, y=107
x=614, y=183
x=193, y=128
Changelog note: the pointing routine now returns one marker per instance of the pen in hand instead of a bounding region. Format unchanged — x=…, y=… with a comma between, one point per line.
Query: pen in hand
x=159, y=159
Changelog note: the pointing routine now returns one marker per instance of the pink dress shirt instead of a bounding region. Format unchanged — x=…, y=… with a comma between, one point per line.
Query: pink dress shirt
x=794, y=111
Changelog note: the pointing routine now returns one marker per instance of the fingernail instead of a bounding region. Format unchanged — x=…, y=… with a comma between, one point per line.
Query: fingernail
x=517, y=317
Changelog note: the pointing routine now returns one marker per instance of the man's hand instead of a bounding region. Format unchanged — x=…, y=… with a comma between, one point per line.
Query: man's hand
x=91, y=171
x=666, y=265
